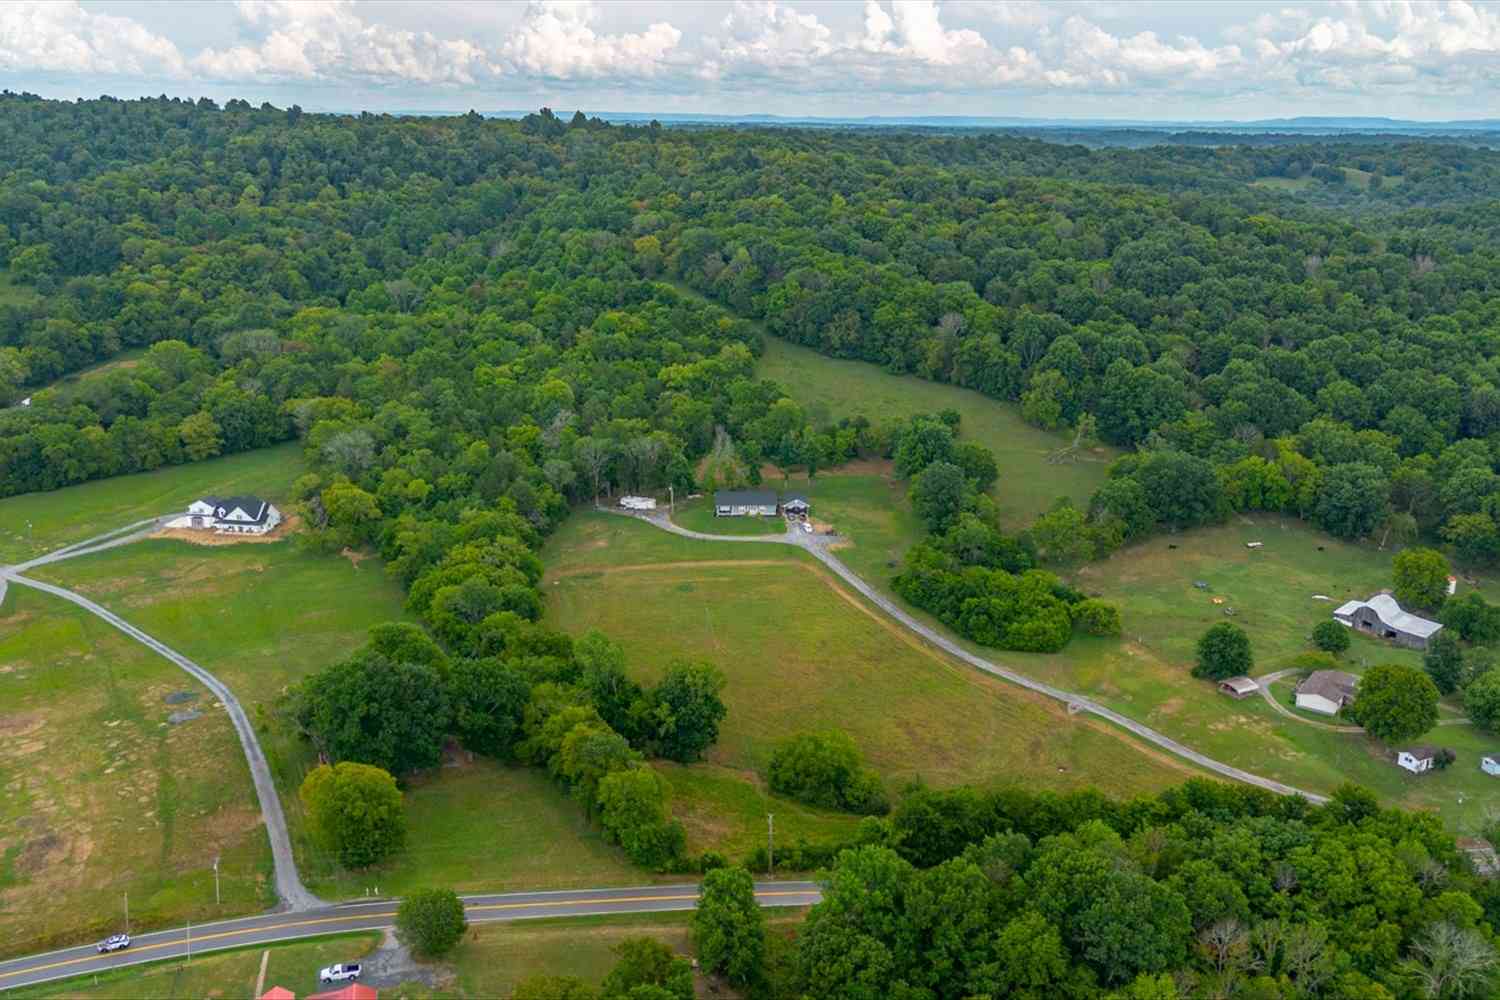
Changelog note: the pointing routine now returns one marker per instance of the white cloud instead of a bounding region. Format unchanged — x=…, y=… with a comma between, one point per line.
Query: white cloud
x=557, y=40
x=58, y=36
x=310, y=39
x=882, y=51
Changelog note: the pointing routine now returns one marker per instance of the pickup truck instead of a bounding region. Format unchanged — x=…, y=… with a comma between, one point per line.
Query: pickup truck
x=343, y=973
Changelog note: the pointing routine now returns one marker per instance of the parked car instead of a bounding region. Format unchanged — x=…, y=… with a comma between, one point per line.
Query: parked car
x=807, y=527
x=115, y=942
x=343, y=973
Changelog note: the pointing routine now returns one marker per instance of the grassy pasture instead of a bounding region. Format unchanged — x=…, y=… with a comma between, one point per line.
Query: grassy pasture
x=262, y=617
x=259, y=616
x=1272, y=591
x=801, y=654
x=216, y=974
x=35, y=523
x=1028, y=484
x=67, y=386
x=102, y=797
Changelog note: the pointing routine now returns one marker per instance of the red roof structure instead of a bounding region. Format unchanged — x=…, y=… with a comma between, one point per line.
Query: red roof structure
x=278, y=993
x=354, y=991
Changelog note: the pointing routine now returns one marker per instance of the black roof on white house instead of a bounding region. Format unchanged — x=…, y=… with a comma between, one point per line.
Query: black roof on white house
x=257, y=508
x=801, y=498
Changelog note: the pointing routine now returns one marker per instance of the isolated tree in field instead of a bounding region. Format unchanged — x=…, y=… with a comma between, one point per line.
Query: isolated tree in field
x=729, y=928
x=1331, y=637
x=1223, y=651
x=1395, y=703
x=354, y=812
x=431, y=921
x=680, y=717
x=1096, y=617
x=1421, y=577
x=939, y=493
x=1482, y=700
x=1444, y=662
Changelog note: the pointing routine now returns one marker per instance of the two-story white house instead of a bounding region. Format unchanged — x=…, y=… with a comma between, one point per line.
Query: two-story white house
x=241, y=515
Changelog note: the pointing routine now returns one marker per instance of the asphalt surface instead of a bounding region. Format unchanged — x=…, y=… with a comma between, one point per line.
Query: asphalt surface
x=289, y=888
x=377, y=915
x=817, y=544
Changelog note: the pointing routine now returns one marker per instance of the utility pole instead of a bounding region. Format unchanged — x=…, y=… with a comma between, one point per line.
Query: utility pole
x=671, y=499
x=127, y=912
x=770, y=845
x=189, y=942
x=216, y=880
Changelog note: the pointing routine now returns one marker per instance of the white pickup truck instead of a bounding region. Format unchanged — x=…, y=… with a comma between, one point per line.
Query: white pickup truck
x=343, y=973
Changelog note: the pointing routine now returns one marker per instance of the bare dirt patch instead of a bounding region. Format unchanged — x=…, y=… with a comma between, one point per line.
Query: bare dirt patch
x=355, y=558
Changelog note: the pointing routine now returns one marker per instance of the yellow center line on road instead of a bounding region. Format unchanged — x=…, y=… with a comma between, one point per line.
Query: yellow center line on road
x=264, y=928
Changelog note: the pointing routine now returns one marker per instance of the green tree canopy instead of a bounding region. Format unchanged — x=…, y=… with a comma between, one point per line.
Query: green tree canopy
x=1421, y=578
x=431, y=921
x=1223, y=651
x=355, y=812
x=1395, y=703
x=729, y=928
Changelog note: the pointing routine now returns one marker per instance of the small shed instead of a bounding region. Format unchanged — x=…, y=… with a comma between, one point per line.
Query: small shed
x=795, y=503
x=1490, y=764
x=1418, y=760
x=1326, y=691
x=1238, y=687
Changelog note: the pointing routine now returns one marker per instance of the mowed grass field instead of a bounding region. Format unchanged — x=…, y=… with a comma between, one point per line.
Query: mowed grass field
x=802, y=654
x=36, y=523
x=1028, y=484
x=101, y=796
x=216, y=974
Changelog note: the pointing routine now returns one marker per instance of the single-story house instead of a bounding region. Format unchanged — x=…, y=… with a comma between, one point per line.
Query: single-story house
x=242, y=515
x=1238, y=687
x=354, y=991
x=1326, y=691
x=1490, y=764
x=1418, y=760
x=638, y=503
x=745, y=503
x=795, y=503
x=1381, y=616
x=277, y=993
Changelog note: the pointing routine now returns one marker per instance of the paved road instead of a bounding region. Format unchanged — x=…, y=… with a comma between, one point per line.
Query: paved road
x=293, y=894
x=817, y=545
x=260, y=930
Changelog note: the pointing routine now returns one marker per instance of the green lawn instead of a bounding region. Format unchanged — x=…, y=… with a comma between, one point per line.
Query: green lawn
x=1028, y=483
x=482, y=827
x=34, y=523
x=801, y=655
x=699, y=516
x=102, y=797
x=217, y=974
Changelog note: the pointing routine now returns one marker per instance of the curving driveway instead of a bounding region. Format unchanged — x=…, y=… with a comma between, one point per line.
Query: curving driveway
x=293, y=894
x=818, y=546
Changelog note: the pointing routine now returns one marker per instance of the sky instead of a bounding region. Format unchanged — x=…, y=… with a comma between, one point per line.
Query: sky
x=1214, y=59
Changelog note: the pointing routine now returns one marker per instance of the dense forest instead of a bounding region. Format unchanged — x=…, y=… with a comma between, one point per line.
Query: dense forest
x=471, y=325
